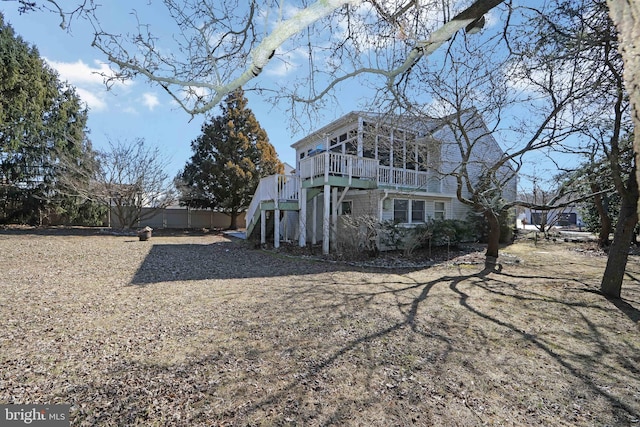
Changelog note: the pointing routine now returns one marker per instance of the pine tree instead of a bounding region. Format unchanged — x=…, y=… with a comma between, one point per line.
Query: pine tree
x=228, y=160
x=41, y=121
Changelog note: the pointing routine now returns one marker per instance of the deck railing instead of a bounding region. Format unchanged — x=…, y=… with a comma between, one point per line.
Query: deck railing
x=389, y=176
x=274, y=188
x=287, y=187
x=335, y=164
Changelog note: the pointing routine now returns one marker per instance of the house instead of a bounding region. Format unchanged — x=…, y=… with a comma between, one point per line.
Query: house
x=565, y=217
x=390, y=168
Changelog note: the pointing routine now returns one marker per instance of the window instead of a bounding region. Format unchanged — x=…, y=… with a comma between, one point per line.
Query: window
x=439, y=211
x=411, y=156
x=368, y=154
x=398, y=154
x=350, y=147
x=384, y=151
x=408, y=211
x=346, y=207
x=423, y=158
x=417, y=211
x=401, y=210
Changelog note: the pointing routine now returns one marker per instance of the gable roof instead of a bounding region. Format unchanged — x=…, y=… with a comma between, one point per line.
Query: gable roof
x=423, y=126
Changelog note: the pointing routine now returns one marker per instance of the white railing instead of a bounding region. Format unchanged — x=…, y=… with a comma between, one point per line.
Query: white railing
x=402, y=177
x=274, y=188
x=335, y=164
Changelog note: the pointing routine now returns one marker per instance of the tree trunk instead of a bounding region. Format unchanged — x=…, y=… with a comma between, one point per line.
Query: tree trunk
x=626, y=16
x=605, y=219
x=234, y=221
x=611, y=284
x=493, y=238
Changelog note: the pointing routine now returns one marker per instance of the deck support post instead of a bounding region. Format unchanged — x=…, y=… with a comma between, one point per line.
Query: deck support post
x=334, y=217
x=276, y=228
x=302, y=218
x=314, y=221
x=263, y=226
x=325, y=219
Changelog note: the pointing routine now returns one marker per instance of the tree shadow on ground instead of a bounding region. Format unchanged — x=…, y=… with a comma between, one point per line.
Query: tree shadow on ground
x=579, y=364
x=12, y=230
x=224, y=260
x=341, y=340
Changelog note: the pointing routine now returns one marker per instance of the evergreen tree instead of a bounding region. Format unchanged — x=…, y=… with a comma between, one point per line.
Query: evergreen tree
x=42, y=121
x=228, y=160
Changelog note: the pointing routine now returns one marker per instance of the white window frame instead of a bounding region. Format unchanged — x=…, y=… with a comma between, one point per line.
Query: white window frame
x=439, y=213
x=350, y=204
x=410, y=202
x=424, y=212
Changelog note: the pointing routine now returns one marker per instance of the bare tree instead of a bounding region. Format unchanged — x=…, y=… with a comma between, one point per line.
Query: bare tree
x=484, y=89
x=216, y=47
x=67, y=13
x=127, y=177
x=217, y=40
x=626, y=16
x=541, y=194
x=585, y=30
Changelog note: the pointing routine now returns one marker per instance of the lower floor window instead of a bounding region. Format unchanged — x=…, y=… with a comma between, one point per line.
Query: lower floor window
x=417, y=211
x=408, y=211
x=401, y=210
x=346, y=208
x=439, y=210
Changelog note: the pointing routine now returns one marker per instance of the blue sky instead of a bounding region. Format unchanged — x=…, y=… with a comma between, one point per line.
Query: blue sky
x=138, y=109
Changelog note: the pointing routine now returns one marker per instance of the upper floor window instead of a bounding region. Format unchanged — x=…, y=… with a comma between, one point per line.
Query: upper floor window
x=345, y=143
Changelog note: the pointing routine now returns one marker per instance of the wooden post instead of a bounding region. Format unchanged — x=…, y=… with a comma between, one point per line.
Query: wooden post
x=326, y=221
x=334, y=217
x=276, y=224
x=314, y=221
x=327, y=159
x=276, y=228
x=263, y=226
x=302, y=218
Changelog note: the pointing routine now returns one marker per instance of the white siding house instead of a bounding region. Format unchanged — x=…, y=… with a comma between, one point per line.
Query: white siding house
x=367, y=164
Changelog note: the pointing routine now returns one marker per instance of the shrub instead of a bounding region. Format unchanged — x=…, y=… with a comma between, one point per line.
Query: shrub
x=480, y=229
x=433, y=233
x=357, y=235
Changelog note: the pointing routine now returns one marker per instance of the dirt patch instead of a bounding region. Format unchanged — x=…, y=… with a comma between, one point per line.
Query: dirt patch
x=205, y=330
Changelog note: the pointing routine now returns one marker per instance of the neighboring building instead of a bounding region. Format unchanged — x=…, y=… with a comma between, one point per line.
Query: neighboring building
x=367, y=164
x=568, y=216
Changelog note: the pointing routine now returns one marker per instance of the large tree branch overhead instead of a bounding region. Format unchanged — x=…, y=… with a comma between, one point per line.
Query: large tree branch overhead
x=221, y=46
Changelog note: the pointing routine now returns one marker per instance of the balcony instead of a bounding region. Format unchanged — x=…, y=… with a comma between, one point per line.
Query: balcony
x=326, y=165
x=333, y=168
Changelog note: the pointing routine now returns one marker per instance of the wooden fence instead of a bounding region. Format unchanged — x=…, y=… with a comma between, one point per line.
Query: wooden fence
x=183, y=218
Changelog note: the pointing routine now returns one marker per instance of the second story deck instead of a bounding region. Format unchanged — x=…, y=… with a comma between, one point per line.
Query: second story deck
x=359, y=172
x=337, y=170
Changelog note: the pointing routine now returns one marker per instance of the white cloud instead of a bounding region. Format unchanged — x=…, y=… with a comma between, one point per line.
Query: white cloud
x=150, y=100
x=95, y=101
x=88, y=80
x=285, y=63
x=81, y=74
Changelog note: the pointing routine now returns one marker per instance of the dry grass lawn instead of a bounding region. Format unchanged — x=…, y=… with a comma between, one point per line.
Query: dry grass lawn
x=196, y=330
